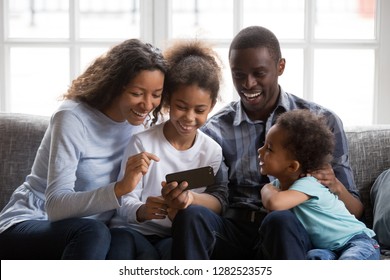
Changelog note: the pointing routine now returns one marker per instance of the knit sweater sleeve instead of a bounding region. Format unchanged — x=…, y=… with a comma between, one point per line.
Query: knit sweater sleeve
x=131, y=201
x=67, y=148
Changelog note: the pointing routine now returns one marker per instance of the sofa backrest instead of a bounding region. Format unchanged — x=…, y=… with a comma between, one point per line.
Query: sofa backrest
x=369, y=156
x=20, y=136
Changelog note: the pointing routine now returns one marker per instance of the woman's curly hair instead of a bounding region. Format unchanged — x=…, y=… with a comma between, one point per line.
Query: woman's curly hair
x=109, y=74
x=192, y=62
x=309, y=139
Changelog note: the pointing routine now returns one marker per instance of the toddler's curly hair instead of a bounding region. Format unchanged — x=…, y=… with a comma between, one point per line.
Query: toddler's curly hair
x=309, y=139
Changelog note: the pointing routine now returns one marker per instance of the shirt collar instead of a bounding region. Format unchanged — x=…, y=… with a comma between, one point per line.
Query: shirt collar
x=283, y=106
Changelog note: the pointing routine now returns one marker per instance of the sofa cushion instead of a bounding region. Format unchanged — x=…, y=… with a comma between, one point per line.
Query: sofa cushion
x=369, y=155
x=20, y=136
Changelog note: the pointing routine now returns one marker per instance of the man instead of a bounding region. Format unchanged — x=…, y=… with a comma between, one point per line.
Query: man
x=246, y=231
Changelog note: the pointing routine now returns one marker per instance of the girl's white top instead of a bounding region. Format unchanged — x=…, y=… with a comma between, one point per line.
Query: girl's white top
x=205, y=151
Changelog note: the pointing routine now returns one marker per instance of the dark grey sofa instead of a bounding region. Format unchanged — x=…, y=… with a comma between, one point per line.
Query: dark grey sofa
x=20, y=136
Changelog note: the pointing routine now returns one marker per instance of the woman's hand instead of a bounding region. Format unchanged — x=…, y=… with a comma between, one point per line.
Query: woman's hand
x=155, y=207
x=136, y=166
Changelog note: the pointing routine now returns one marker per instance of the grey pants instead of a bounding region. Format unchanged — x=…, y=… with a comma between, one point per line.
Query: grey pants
x=380, y=199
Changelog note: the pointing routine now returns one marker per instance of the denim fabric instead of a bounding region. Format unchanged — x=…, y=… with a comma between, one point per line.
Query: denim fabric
x=129, y=244
x=163, y=247
x=66, y=239
x=199, y=233
x=359, y=247
x=283, y=237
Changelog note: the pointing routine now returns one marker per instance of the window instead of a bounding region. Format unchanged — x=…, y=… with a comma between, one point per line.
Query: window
x=46, y=44
x=335, y=49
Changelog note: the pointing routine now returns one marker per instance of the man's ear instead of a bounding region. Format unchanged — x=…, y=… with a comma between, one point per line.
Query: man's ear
x=281, y=66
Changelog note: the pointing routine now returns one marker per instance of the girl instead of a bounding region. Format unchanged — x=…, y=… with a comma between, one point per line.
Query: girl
x=61, y=210
x=190, y=92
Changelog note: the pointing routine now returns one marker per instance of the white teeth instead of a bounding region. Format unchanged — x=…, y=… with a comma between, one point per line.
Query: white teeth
x=252, y=95
x=185, y=127
x=139, y=114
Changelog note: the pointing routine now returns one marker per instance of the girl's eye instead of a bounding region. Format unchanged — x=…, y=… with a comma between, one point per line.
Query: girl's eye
x=181, y=107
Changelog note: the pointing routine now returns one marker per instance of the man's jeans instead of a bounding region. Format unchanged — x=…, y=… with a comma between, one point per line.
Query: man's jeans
x=199, y=233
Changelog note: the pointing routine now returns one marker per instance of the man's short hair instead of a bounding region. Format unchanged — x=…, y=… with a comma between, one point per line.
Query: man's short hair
x=257, y=37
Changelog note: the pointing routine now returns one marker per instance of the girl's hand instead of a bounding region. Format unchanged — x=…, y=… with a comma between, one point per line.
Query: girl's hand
x=136, y=166
x=172, y=213
x=155, y=207
x=176, y=196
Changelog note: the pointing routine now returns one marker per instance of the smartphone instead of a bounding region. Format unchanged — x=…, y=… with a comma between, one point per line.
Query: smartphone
x=196, y=178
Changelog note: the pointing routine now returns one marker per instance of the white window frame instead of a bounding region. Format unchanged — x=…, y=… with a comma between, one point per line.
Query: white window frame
x=155, y=28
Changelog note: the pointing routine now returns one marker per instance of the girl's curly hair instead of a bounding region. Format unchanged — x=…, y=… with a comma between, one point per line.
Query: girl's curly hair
x=192, y=62
x=309, y=139
x=109, y=74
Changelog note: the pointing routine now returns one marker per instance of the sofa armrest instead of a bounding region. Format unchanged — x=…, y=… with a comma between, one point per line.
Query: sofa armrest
x=20, y=137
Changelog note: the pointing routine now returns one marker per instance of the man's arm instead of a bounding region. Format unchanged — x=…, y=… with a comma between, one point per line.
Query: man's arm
x=327, y=177
x=339, y=177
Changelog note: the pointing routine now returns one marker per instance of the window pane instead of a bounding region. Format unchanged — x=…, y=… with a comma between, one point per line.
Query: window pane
x=292, y=79
x=38, y=19
x=88, y=55
x=109, y=19
x=344, y=82
x=345, y=19
x=227, y=91
x=39, y=76
x=284, y=18
x=202, y=18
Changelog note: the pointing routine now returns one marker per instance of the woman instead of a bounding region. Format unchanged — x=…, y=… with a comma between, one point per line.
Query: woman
x=61, y=210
